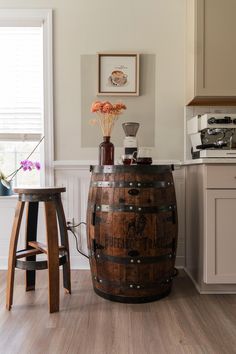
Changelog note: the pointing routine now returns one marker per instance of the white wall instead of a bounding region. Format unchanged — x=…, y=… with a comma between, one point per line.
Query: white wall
x=85, y=27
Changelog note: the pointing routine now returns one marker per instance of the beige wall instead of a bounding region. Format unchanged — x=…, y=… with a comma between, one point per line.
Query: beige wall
x=141, y=109
x=84, y=27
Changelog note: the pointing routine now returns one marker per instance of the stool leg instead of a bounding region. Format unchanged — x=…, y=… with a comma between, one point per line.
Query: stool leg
x=53, y=256
x=12, y=253
x=31, y=235
x=64, y=242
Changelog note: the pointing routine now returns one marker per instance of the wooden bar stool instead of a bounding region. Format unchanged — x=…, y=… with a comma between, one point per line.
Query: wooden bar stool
x=56, y=255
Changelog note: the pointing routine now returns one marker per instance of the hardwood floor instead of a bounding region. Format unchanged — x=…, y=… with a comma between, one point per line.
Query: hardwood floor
x=184, y=322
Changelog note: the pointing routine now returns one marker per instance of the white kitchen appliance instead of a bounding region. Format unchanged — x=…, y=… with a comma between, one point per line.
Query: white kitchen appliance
x=130, y=140
x=212, y=135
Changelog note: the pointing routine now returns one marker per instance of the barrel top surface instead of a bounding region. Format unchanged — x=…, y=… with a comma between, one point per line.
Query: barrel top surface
x=130, y=168
x=45, y=190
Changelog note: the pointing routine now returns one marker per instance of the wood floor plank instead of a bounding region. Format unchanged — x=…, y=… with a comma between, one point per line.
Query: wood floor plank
x=184, y=322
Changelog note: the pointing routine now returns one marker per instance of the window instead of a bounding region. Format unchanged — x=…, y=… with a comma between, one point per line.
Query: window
x=26, y=93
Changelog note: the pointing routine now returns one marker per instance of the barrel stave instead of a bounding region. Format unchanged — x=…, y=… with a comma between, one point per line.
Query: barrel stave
x=150, y=234
x=144, y=198
x=121, y=236
x=133, y=281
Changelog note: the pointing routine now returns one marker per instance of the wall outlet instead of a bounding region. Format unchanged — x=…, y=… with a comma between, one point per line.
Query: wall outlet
x=70, y=222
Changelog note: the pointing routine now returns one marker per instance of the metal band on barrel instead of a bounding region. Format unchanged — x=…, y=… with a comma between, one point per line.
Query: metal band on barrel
x=100, y=256
x=132, y=285
x=132, y=208
x=145, y=169
x=131, y=184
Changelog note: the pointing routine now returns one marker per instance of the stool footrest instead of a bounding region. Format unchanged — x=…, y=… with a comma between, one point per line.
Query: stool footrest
x=27, y=253
x=43, y=247
x=38, y=265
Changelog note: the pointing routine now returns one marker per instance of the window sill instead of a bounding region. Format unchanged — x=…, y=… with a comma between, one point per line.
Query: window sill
x=9, y=197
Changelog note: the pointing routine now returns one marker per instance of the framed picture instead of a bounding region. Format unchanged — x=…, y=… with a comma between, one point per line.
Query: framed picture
x=118, y=74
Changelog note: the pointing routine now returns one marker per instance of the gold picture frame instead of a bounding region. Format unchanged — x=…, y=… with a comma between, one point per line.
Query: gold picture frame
x=118, y=74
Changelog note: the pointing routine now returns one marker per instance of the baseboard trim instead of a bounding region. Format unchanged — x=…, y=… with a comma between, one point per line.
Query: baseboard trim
x=210, y=291
x=77, y=262
x=180, y=262
x=193, y=280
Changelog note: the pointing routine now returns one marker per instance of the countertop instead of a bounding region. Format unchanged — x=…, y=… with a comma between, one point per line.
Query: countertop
x=84, y=164
x=212, y=160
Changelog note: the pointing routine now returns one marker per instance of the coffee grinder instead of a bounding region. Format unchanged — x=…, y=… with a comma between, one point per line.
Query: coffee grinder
x=130, y=140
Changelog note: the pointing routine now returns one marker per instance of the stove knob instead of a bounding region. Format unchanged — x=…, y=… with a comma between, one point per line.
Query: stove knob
x=225, y=120
x=234, y=121
x=211, y=120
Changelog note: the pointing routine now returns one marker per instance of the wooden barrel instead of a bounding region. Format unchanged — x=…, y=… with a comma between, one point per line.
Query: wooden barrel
x=132, y=232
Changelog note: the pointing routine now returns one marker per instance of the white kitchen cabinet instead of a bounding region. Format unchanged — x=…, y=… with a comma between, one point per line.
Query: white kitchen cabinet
x=211, y=52
x=220, y=237
x=210, y=227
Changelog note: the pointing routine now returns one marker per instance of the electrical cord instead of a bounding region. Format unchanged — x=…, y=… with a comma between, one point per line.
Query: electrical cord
x=71, y=229
x=80, y=223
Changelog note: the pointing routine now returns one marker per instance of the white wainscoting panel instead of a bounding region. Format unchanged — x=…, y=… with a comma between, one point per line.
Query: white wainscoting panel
x=7, y=213
x=76, y=181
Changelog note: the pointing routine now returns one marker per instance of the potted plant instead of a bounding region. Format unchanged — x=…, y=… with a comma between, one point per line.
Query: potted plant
x=107, y=114
x=25, y=165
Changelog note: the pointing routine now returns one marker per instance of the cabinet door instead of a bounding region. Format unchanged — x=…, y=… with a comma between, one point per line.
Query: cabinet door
x=216, y=50
x=220, y=236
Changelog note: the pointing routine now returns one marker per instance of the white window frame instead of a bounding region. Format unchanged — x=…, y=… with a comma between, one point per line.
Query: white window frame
x=34, y=17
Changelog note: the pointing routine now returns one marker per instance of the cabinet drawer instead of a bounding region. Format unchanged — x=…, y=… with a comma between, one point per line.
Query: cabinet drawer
x=221, y=176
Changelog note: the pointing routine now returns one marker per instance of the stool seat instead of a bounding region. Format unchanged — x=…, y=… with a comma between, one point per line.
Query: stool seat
x=45, y=190
x=56, y=254
x=39, y=194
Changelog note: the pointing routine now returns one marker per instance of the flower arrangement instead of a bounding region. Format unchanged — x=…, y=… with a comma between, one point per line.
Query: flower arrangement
x=107, y=113
x=25, y=165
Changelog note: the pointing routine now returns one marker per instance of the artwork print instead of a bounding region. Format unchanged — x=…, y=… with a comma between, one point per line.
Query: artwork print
x=118, y=74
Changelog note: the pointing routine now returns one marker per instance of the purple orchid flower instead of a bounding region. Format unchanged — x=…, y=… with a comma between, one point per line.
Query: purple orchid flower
x=29, y=165
x=37, y=165
x=24, y=165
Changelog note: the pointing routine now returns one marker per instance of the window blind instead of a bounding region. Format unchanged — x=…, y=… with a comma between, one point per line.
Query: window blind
x=21, y=83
